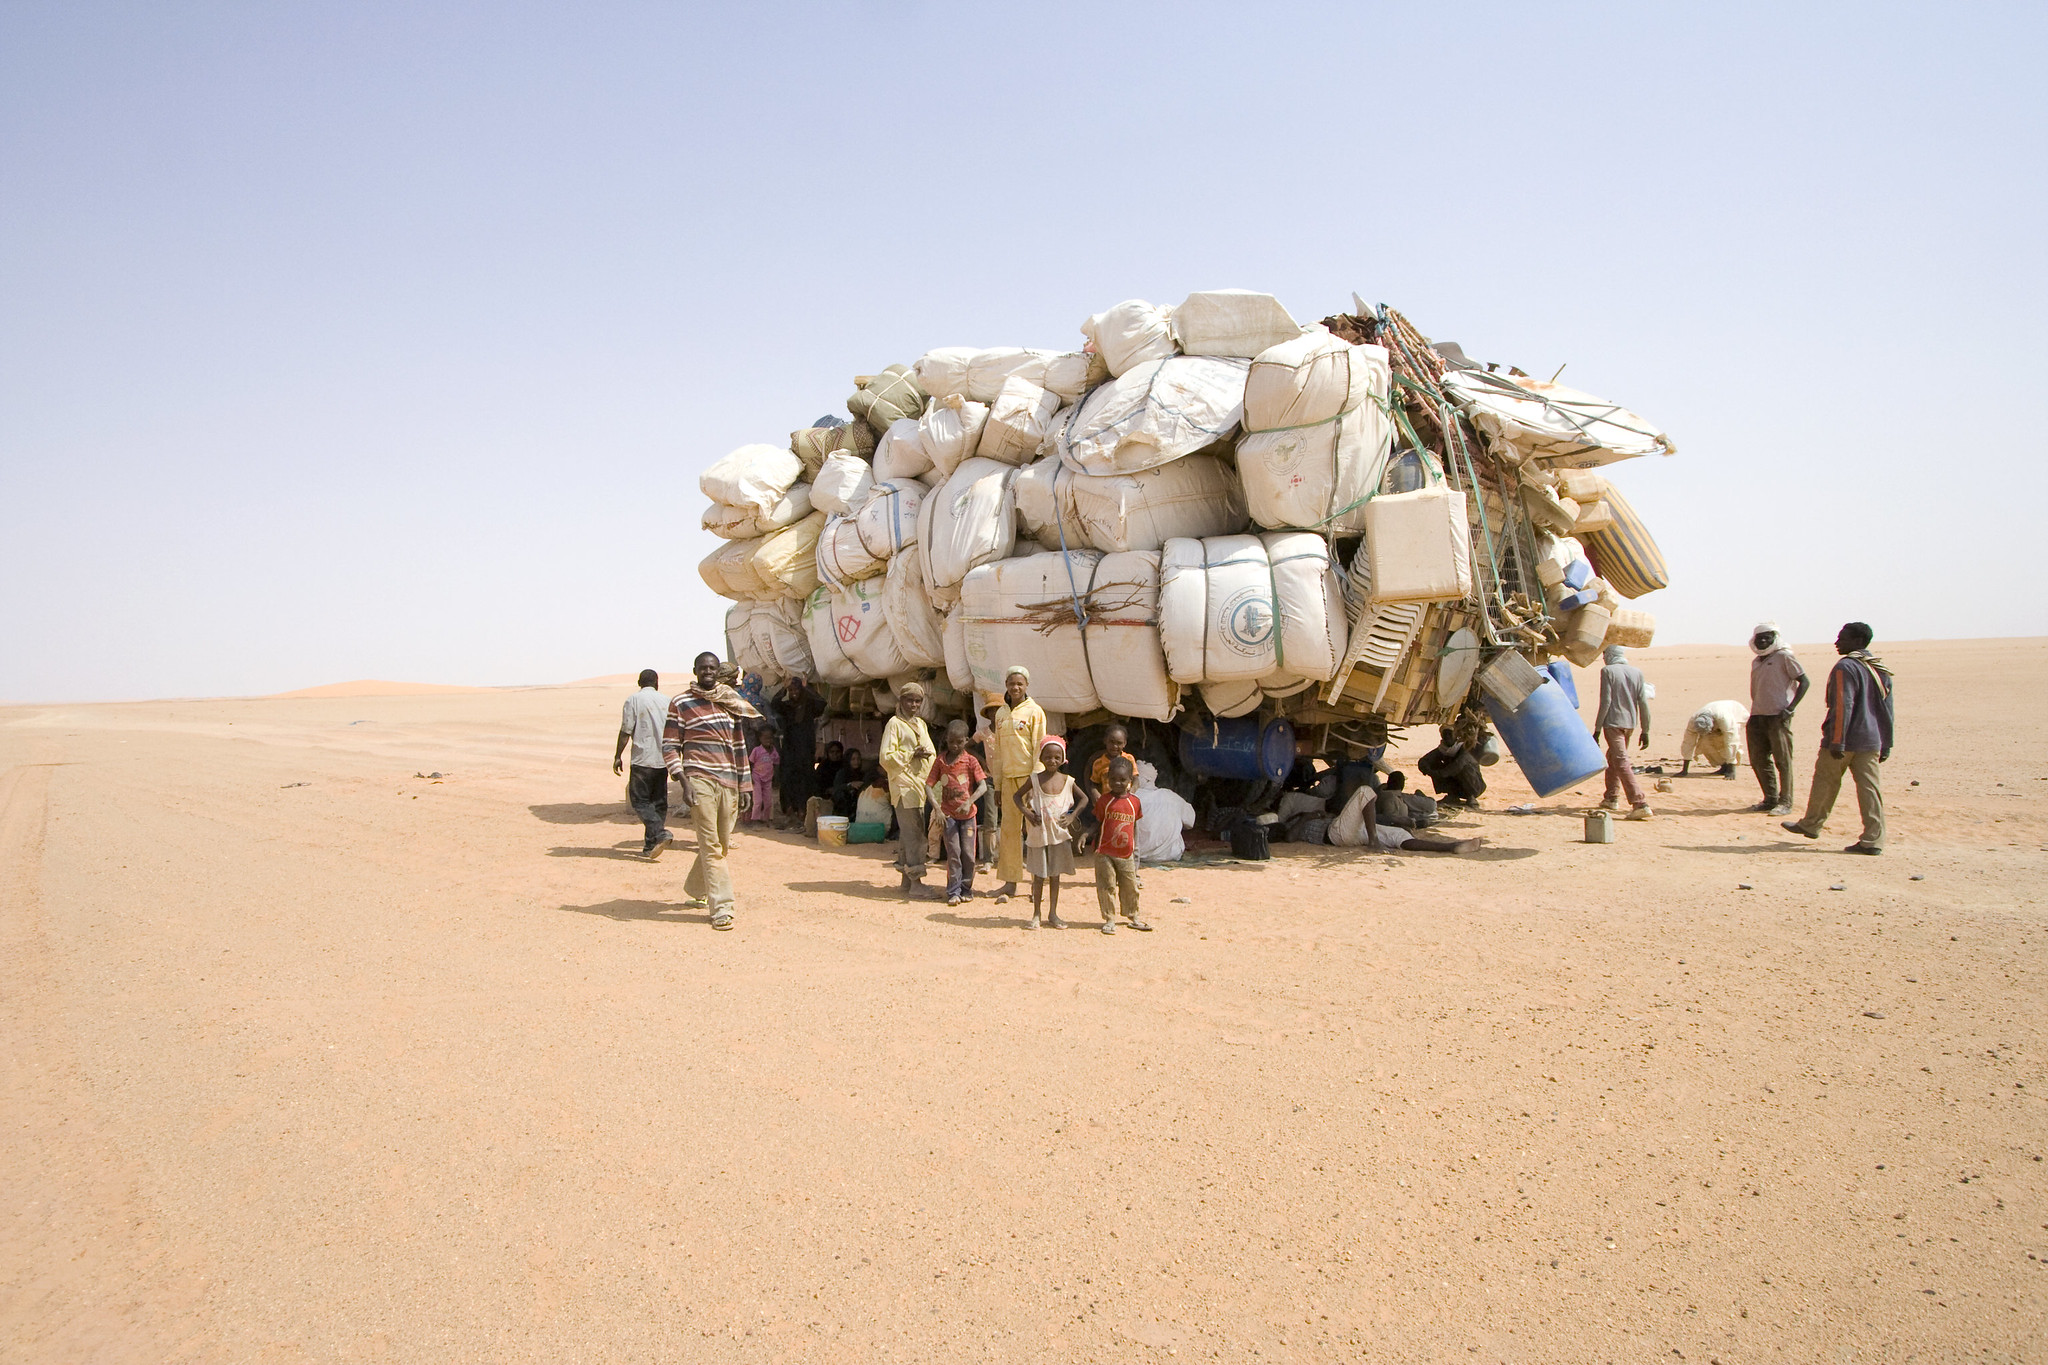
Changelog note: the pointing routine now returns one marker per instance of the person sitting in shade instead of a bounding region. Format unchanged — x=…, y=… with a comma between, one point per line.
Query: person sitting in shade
x=1453, y=769
x=1714, y=735
x=1358, y=826
x=852, y=780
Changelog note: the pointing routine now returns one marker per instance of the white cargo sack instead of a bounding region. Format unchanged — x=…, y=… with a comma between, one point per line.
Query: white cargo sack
x=887, y=517
x=842, y=555
x=1242, y=608
x=1196, y=496
x=972, y=521
x=1317, y=434
x=745, y=523
x=950, y=431
x=729, y=570
x=1419, y=546
x=1231, y=322
x=860, y=622
x=754, y=477
x=842, y=482
x=1130, y=334
x=899, y=454
x=919, y=628
x=1018, y=421
x=768, y=638
x=1167, y=813
x=1160, y=411
x=958, y=671
x=942, y=371
x=1023, y=611
x=830, y=656
x=1529, y=419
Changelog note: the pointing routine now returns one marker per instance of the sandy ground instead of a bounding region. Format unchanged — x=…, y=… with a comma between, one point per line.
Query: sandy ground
x=314, y=1059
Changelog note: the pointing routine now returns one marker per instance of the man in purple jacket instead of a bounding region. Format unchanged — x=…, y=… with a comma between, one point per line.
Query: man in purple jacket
x=1855, y=737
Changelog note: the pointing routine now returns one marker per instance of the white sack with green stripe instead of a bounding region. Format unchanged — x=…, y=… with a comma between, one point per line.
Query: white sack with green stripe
x=1317, y=434
x=1248, y=608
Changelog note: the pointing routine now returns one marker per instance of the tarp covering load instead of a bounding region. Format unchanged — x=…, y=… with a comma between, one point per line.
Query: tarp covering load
x=1209, y=511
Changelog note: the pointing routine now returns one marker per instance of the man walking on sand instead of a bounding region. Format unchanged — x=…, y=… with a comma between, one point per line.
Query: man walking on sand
x=705, y=749
x=1624, y=708
x=647, y=787
x=1777, y=684
x=1855, y=737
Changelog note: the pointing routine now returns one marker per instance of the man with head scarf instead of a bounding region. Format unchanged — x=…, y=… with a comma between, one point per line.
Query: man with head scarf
x=1855, y=737
x=704, y=748
x=1777, y=684
x=1016, y=733
x=1714, y=735
x=1624, y=708
x=907, y=753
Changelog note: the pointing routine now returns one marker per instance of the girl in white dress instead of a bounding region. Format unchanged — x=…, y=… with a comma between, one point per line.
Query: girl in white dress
x=1047, y=801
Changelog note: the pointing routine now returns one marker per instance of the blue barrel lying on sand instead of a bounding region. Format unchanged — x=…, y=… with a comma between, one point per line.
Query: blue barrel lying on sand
x=1548, y=740
x=1240, y=748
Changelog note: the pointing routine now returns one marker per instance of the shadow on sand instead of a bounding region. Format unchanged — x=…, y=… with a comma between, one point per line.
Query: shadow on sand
x=866, y=891
x=959, y=921
x=585, y=813
x=1775, y=846
x=661, y=912
x=622, y=853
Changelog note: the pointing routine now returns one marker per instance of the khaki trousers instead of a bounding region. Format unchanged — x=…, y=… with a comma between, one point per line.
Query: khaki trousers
x=910, y=840
x=713, y=811
x=1010, y=830
x=1116, y=879
x=1827, y=785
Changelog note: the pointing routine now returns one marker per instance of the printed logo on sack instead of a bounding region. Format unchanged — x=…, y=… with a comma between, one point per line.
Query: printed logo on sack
x=1248, y=622
x=849, y=627
x=1284, y=457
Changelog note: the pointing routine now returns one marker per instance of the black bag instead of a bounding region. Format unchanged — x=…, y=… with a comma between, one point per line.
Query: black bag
x=1248, y=841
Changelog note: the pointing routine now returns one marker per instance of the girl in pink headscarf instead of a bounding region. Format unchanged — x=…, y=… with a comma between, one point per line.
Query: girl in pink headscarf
x=762, y=759
x=1047, y=800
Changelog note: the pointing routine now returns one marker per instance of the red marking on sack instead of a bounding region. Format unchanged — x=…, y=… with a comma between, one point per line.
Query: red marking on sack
x=849, y=626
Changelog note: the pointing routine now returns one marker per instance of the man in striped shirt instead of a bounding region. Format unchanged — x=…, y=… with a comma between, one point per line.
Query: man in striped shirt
x=705, y=749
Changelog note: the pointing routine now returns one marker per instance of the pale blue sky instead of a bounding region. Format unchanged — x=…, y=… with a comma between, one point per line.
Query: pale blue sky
x=387, y=340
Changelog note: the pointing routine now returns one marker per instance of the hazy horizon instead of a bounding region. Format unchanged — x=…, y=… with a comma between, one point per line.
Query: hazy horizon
x=388, y=342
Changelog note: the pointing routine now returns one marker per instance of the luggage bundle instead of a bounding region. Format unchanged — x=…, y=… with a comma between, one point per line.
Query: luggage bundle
x=1207, y=510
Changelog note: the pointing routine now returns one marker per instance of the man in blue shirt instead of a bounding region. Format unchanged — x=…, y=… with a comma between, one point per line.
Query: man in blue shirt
x=1855, y=737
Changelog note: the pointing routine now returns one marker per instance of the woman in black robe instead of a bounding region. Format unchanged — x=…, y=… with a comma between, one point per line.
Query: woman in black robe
x=799, y=706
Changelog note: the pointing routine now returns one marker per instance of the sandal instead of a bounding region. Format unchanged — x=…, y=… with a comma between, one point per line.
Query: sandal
x=1141, y=926
x=722, y=920
x=1108, y=927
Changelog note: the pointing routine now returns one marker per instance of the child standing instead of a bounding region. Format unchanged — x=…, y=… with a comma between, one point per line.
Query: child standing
x=1118, y=811
x=763, y=758
x=1047, y=800
x=958, y=782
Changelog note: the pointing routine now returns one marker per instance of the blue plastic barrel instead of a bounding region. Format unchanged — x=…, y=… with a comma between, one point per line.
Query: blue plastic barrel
x=1240, y=748
x=1548, y=740
x=1561, y=672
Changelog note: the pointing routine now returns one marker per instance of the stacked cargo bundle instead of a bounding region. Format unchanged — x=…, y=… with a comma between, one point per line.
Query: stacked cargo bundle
x=1210, y=512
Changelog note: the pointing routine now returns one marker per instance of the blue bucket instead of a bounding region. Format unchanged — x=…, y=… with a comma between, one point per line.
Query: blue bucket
x=1240, y=748
x=1549, y=741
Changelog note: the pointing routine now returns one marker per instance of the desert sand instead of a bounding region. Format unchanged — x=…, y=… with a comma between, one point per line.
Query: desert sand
x=312, y=1058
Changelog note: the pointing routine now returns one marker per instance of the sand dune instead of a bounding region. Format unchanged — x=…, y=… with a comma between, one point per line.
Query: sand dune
x=372, y=687
x=312, y=1059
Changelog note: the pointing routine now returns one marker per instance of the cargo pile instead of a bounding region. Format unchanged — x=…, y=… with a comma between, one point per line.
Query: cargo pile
x=1209, y=513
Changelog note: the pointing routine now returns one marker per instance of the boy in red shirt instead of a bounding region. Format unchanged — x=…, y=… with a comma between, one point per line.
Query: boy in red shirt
x=957, y=781
x=1117, y=811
